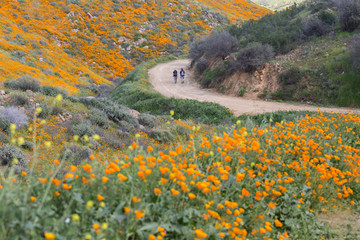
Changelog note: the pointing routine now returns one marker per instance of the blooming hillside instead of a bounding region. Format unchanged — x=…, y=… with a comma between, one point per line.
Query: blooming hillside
x=76, y=42
x=236, y=9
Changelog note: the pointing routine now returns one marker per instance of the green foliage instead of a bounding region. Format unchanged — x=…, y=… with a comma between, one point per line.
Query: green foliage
x=9, y=153
x=291, y=76
x=52, y=91
x=3, y=138
x=76, y=154
x=19, y=99
x=147, y=120
x=82, y=130
x=349, y=14
x=162, y=135
x=242, y=91
x=99, y=118
x=355, y=52
x=274, y=117
x=114, y=111
x=349, y=93
x=252, y=57
x=4, y=124
x=28, y=145
x=281, y=30
x=23, y=83
x=126, y=127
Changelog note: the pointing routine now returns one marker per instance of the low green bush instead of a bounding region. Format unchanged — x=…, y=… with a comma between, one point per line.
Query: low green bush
x=147, y=120
x=99, y=118
x=52, y=91
x=291, y=76
x=3, y=138
x=82, y=130
x=24, y=83
x=4, y=124
x=162, y=135
x=19, y=99
x=11, y=155
x=76, y=154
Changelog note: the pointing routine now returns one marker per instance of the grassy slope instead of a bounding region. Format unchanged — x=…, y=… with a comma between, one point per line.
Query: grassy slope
x=276, y=4
x=65, y=44
x=328, y=77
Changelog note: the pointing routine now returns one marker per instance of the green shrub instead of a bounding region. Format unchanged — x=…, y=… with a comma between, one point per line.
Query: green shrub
x=23, y=83
x=126, y=127
x=114, y=111
x=162, y=135
x=45, y=111
x=76, y=154
x=242, y=91
x=82, y=130
x=8, y=153
x=4, y=124
x=52, y=91
x=147, y=120
x=349, y=14
x=355, y=51
x=250, y=58
x=28, y=145
x=327, y=17
x=3, y=138
x=291, y=76
x=99, y=118
x=19, y=99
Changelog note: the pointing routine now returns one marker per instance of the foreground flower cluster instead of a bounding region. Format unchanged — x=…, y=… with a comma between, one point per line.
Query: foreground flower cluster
x=266, y=182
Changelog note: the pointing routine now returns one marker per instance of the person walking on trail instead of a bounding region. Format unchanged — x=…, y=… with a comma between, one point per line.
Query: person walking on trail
x=182, y=75
x=175, y=75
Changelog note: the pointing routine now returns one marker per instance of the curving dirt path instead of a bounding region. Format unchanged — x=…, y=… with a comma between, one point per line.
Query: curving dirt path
x=161, y=78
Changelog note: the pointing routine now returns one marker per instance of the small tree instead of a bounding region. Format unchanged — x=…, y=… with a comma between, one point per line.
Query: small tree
x=349, y=14
x=220, y=44
x=314, y=26
x=196, y=50
x=255, y=56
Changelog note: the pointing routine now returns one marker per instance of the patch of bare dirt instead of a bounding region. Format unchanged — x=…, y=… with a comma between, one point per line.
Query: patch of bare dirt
x=345, y=225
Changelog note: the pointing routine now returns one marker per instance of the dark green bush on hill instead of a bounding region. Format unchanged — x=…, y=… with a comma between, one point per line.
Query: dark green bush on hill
x=355, y=51
x=9, y=153
x=219, y=45
x=52, y=91
x=314, y=26
x=23, y=83
x=252, y=57
x=349, y=14
x=291, y=76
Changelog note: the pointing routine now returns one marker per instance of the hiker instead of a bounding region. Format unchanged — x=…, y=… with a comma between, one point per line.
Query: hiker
x=175, y=74
x=182, y=75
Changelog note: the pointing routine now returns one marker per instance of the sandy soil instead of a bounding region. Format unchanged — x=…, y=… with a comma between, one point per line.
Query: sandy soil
x=161, y=78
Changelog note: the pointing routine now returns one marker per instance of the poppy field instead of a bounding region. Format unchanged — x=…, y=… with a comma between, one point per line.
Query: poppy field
x=236, y=182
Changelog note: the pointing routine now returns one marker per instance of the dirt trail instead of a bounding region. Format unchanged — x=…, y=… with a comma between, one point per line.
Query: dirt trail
x=161, y=78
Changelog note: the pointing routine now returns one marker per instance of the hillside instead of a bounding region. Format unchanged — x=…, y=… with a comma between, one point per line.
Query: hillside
x=306, y=53
x=277, y=4
x=236, y=10
x=76, y=42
